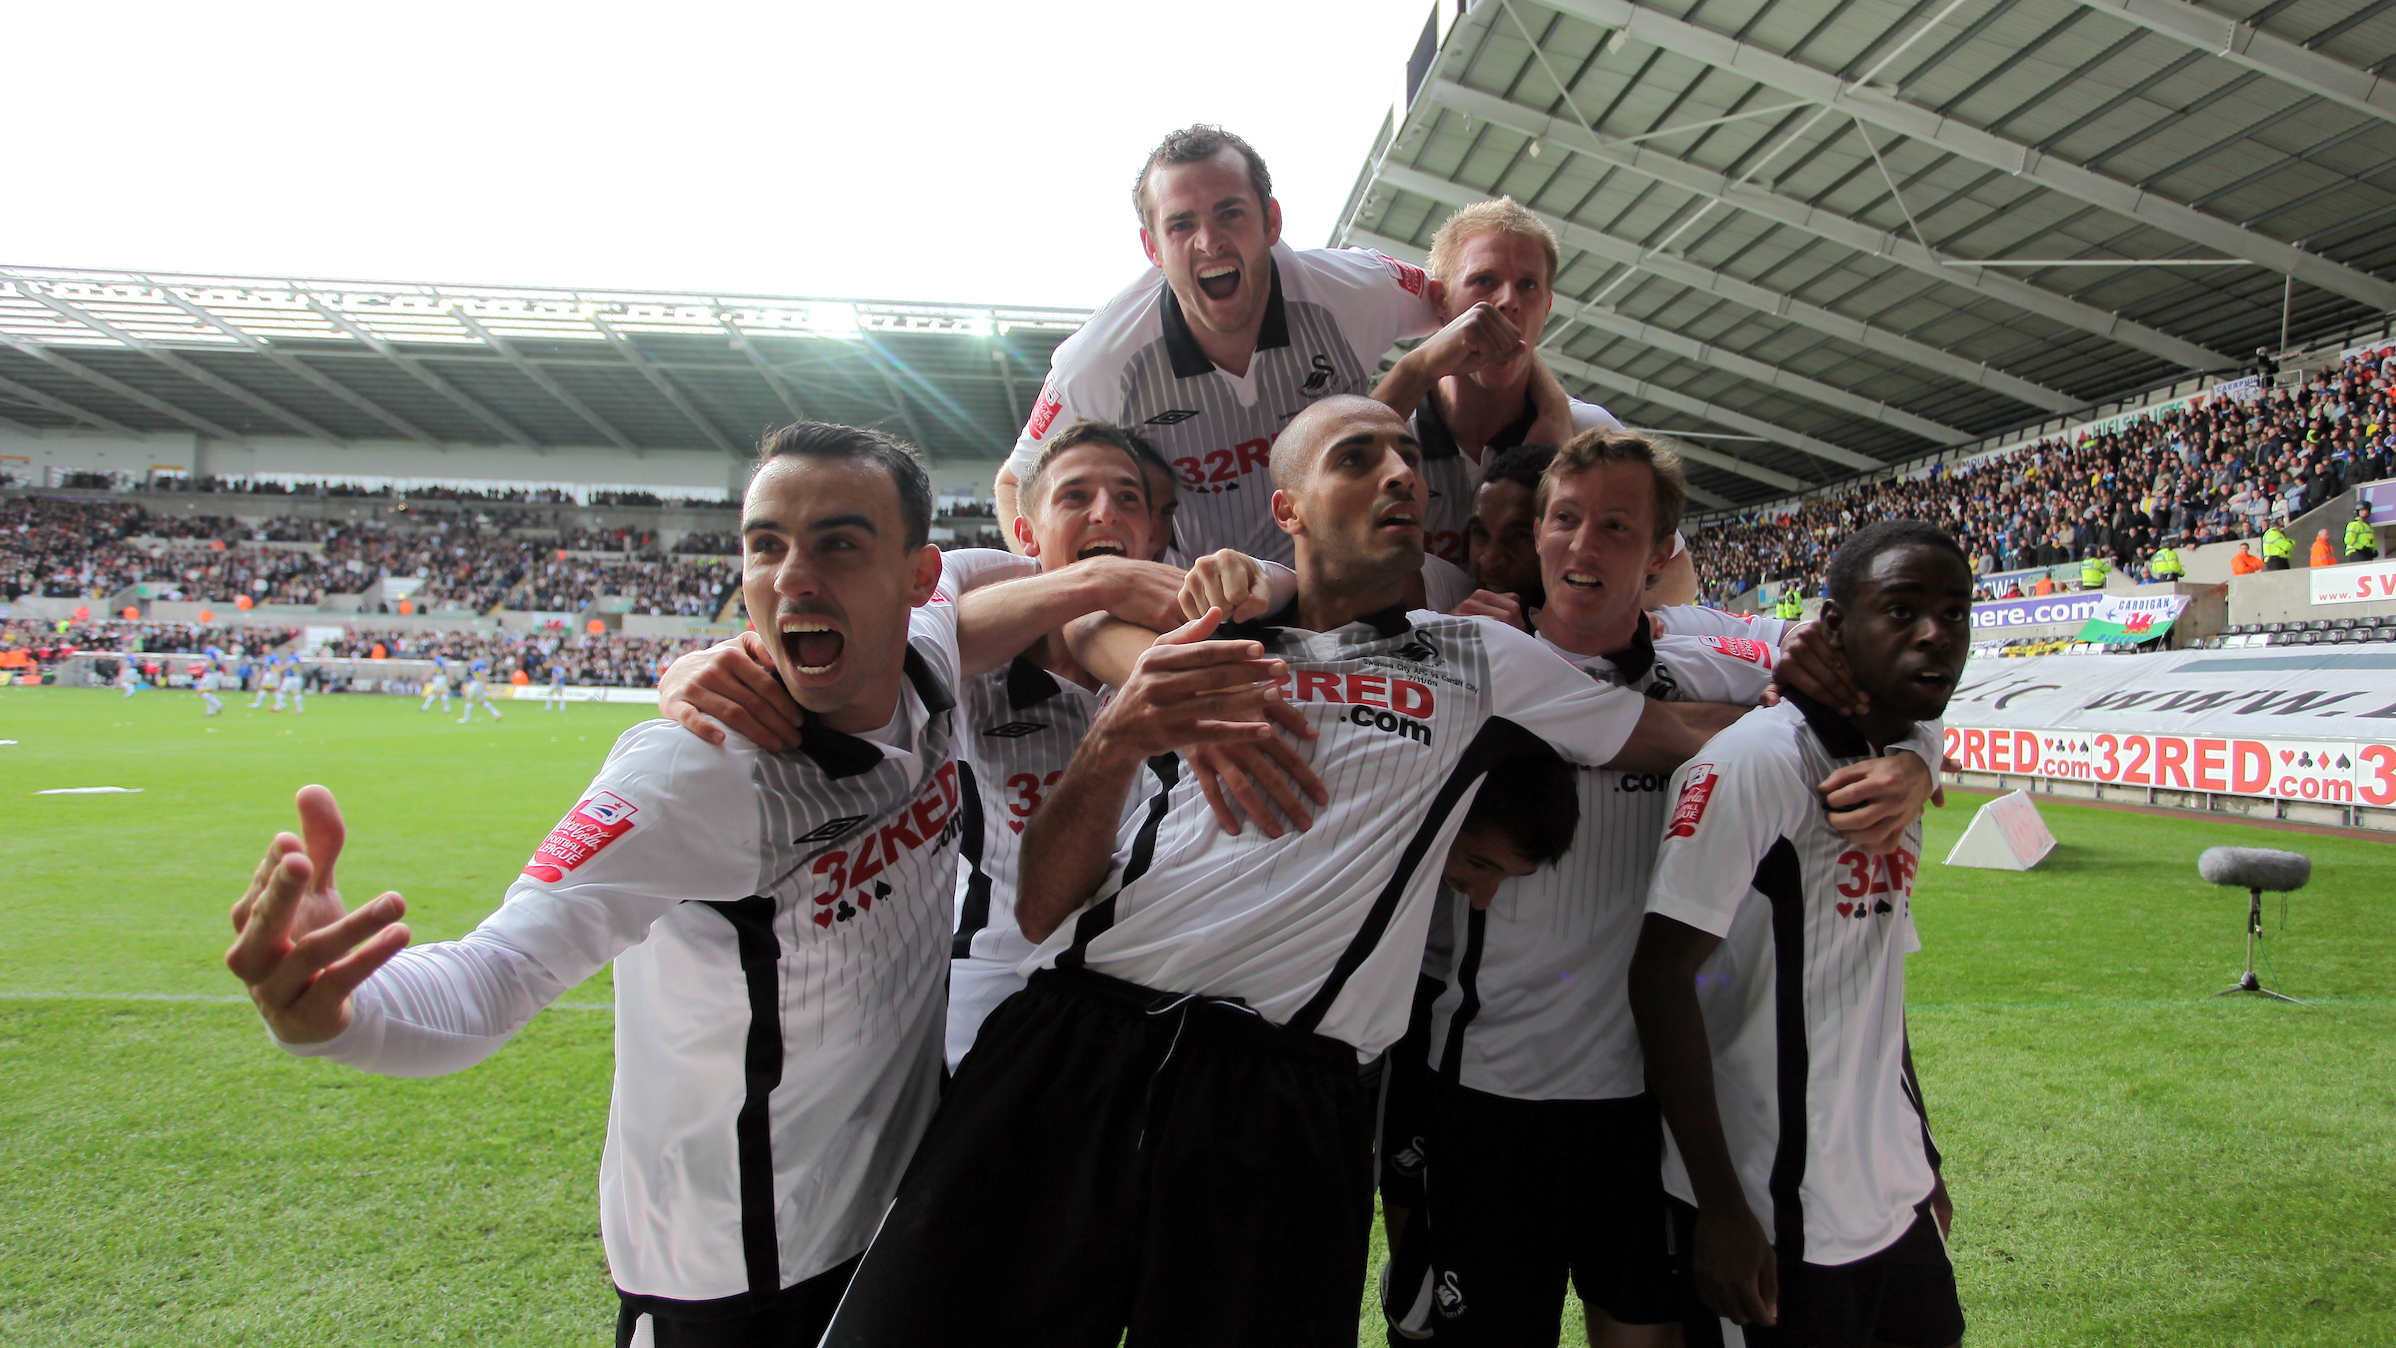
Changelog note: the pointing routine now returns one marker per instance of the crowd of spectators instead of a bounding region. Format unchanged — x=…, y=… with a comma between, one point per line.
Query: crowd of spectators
x=601, y=660
x=62, y=547
x=2223, y=468
x=50, y=641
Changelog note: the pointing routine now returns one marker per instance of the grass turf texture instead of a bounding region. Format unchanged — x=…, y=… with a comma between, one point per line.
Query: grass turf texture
x=2131, y=1163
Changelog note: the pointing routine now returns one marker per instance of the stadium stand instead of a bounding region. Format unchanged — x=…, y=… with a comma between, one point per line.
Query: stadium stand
x=2215, y=472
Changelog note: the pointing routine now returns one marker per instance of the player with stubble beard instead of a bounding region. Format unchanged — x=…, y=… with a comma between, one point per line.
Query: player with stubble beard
x=1232, y=333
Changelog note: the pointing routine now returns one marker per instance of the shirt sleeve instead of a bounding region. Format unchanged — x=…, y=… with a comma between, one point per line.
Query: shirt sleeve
x=932, y=630
x=1590, y=417
x=670, y=818
x=1378, y=300
x=1730, y=805
x=1537, y=689
x=964, y=570
x=1698, y=620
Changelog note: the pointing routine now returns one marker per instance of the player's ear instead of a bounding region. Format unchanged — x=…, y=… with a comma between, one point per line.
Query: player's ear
x=1833, y=620
x=926, y=578
x=1285, y=514
x=1148, y=246
x=1272, y=222
x=1023, y=535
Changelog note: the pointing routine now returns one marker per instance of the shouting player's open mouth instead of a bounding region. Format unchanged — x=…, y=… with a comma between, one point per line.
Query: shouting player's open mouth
x=814, y=645
x=1101, y=547
x=1220, y=280
x=1399, y=518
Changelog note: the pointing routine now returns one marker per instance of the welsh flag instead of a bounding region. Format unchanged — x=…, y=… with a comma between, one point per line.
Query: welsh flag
x=2126, y=620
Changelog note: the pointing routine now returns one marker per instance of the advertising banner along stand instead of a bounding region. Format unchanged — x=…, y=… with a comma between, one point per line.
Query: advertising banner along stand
x=2006, y=835
x=2291, y=724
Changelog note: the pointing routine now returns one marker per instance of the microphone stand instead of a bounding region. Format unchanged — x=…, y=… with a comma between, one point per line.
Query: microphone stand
x=2247, y=982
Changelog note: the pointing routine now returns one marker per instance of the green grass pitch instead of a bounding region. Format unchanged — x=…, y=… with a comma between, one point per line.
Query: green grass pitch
x=2131, y=1162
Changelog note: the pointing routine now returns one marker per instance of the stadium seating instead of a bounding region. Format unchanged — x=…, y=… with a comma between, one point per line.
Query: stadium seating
x=2219, y=471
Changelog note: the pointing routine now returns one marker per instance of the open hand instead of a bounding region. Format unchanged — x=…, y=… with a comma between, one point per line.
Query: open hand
x=293, y=942
x=1250, y=772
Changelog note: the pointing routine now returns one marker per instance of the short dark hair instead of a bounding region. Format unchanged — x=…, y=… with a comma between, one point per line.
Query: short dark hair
x=825, y=440
x=1605, y=444
x=1522, y=465
x=1854, y=557
x=1533, y=800
x=1086, y=432
x=1191, y=144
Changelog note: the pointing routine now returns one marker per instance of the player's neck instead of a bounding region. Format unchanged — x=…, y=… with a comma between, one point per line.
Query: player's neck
x=1477, y=411
x=871, y=709
x=1231, y=352
x=1331, y=596
x=1881, y=729
x=1606, y=636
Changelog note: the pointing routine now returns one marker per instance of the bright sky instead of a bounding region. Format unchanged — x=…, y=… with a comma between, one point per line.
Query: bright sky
x=962, y=152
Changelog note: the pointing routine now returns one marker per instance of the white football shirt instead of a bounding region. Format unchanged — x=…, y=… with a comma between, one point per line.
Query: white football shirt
x=1324, y=930
x=1538, y=1007
x=1804, y=1001
x=779, y=925
x=1330, y=316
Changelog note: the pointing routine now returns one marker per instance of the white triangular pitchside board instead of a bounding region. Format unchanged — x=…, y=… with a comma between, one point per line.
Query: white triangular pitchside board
x=2007, y=835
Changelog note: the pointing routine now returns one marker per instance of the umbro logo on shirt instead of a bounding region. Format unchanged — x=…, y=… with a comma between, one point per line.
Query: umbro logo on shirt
x=1172, y=417
x=829, y=830
x=1015, y=730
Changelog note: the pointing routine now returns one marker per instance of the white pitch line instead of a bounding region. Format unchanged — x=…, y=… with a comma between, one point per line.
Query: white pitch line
x=91, y=791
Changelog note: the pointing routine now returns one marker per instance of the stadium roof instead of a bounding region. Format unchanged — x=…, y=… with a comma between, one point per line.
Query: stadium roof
x=235, y=357
x=1825, y=235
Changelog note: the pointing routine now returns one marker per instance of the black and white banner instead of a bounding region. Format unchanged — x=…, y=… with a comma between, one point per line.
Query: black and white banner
x=2294, y=725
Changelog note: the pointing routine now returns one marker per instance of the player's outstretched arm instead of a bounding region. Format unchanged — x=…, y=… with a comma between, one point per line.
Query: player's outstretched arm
x=996, y=622
x=1182, y=690
x=1732, y=1262
x=294, y=947
x=1670, y=734
x=734, y=682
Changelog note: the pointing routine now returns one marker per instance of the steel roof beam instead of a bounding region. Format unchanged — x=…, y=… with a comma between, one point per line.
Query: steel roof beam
x=21, y=428
x=787, y=395
x=657, y=379
x=65, y=408
x=417, y=370
x=1856, y=234
x=1757, y=297
x=307, y=372
x=874, y=357
x=1970, y=142
x=122, y=389
x=537, y=375
x=184, y=367
x=2310, y=71
x=1698, y=407
x=1746, y=367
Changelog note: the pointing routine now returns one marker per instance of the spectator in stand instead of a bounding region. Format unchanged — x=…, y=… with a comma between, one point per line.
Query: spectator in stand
x=2362, y=545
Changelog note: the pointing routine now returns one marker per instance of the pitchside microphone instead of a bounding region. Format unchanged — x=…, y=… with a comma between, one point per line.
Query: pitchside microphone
x=2255, y=869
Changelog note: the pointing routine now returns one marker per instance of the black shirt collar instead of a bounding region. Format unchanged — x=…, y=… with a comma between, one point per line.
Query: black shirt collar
x=841, y=754
x=1028, y=684
x=1387, y=622
x=1633, y=661
x=1181, y=345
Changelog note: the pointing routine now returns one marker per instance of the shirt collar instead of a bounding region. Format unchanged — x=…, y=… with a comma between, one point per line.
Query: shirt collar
x=1386, y=623
x=1438, y=442
x=1838, y=734
x=1028, y=684
x=1189, y=361
x=841, y=754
